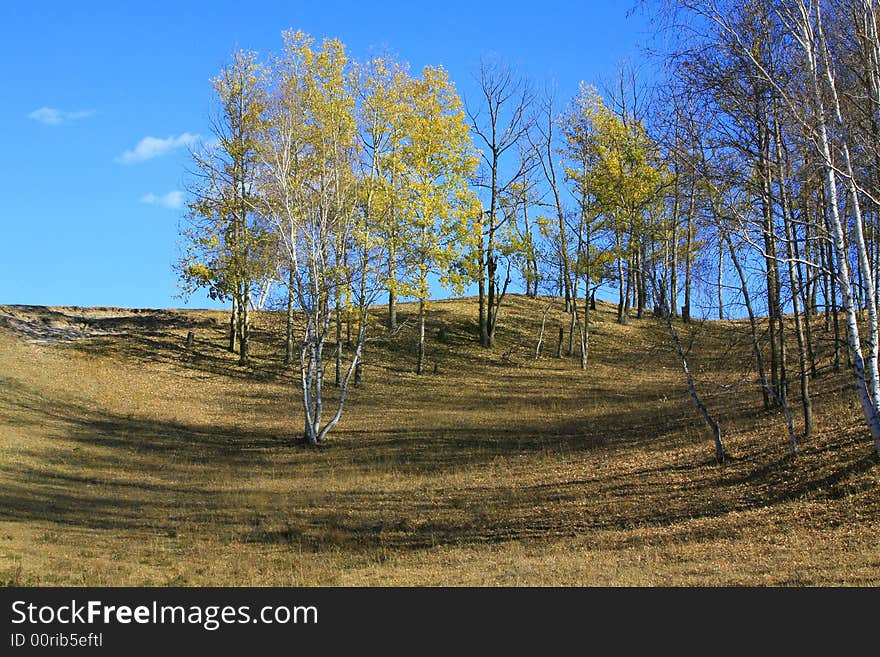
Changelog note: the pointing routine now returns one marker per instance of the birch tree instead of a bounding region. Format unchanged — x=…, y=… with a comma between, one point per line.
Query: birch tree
x=580, y=127
x=437, y=162
x=309, y=155
x=227, y=246
x=386, y=89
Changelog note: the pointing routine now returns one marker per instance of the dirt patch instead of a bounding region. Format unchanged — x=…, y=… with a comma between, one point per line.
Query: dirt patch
x=43, y=324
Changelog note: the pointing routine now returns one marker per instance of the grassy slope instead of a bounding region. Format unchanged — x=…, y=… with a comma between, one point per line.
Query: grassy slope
x=128, y=462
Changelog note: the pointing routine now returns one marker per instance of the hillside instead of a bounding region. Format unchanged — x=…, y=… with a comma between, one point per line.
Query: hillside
x=129, y=460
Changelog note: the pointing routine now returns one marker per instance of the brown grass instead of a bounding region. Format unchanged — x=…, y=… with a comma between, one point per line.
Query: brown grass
x=128, y=461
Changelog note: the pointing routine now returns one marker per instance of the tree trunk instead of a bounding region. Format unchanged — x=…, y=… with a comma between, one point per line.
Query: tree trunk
x=233, y=319
x=771, y=277
x=827, y=275
x=585, y=346
x=673, y=269
x=495, y=306
x=491, y=301
x=720, y=281
x=627, y=295
x=642, y=288
x=689, y=251
x=795, y=280
x=420, y=364
x=720, y=453
x=531, y=259
x=392, y=292
x=481, y=285
x=589, y=300
x=243, y=326
x=621, y=315
x=582, y=336
x=491, y=258
x=337, y=381
x=766, y=390
x=288, y=333
x=808, y=284
x=540, y=345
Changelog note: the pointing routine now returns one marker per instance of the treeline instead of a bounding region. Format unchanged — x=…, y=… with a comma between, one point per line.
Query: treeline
x=748, y=172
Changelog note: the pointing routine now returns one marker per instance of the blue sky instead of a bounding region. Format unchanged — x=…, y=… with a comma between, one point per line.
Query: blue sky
x=101, y=98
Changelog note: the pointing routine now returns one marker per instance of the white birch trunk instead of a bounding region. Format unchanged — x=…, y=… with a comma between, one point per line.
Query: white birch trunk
x=861, y=369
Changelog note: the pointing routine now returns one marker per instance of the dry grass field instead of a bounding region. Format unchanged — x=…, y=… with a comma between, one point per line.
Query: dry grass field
x=128, y=460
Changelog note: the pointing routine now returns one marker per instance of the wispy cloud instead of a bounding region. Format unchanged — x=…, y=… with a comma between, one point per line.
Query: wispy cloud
x=172, y=200
x=150, y=147
x=52, y=116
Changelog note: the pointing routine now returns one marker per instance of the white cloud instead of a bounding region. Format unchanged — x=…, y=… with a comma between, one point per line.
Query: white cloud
x=172, y=200
x=150, y=147
x=52, y=116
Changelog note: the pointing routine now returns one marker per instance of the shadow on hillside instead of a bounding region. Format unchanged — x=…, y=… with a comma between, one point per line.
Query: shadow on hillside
x=485, y=514
x=121, y=473
x=208, y=354
x=781, y=478
x=87, y=425
x=113, y=471
x=126, y=473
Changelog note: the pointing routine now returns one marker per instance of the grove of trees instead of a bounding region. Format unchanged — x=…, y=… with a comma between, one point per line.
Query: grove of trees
x=742, y=181
x=342, y=181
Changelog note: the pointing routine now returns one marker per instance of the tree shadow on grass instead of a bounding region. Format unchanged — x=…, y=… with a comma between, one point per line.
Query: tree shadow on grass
x=131, y=474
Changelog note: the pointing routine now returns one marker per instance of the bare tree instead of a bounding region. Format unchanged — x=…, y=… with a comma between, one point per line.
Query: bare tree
x=500, y=121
